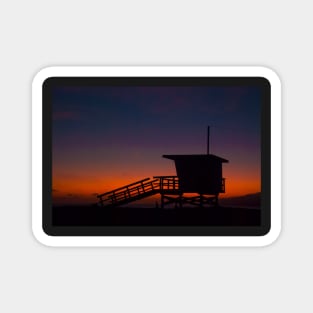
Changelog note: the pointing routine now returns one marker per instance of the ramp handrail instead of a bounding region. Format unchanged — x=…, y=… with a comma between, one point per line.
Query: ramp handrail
x=139, y=189
x=120, y=188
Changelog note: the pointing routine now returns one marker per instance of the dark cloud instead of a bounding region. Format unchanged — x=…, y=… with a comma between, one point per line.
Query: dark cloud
x=66, y=115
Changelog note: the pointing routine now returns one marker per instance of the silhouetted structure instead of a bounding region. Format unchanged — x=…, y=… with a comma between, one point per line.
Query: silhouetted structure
x=200, y=174
x=141, y=189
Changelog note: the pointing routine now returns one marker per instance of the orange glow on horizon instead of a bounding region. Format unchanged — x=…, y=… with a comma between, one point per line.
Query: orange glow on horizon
x=71, y=189
x=71, y=186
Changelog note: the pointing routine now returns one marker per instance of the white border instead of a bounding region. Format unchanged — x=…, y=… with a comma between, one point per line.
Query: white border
x=158, y=241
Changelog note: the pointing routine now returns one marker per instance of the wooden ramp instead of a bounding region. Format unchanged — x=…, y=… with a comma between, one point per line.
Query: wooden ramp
x=140, y=189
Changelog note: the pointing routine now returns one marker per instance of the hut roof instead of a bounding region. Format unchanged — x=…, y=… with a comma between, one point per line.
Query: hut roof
x=195, y=157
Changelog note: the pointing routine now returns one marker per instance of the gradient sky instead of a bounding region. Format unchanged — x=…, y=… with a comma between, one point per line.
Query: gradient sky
x=106, y=137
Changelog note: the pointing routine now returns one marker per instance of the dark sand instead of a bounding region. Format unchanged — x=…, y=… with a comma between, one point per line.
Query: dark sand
x=194, y=216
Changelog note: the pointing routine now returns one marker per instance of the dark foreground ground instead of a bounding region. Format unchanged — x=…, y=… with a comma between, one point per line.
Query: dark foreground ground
x=95, y=216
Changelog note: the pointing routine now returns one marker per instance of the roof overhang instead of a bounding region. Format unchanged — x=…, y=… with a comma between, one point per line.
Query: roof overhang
x=194, y=157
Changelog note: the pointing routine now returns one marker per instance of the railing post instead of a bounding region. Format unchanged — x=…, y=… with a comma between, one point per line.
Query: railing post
x=143, y=187
x=113, y=197
x=101, y=201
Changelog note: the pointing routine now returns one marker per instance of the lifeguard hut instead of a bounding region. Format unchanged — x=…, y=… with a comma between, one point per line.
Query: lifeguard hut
x=200, y=174
x=198, y=182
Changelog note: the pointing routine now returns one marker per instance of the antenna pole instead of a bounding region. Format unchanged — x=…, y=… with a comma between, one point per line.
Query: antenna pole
x=208, y=142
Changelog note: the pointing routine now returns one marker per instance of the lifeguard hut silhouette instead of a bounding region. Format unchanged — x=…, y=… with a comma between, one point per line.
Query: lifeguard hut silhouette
x=198, y=182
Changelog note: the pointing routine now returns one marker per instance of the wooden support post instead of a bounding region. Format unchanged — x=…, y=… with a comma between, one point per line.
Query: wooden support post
x=201, y=200
x=180, y=200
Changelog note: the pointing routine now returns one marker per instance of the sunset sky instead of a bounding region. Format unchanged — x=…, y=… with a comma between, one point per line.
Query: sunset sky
x=106, y=137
